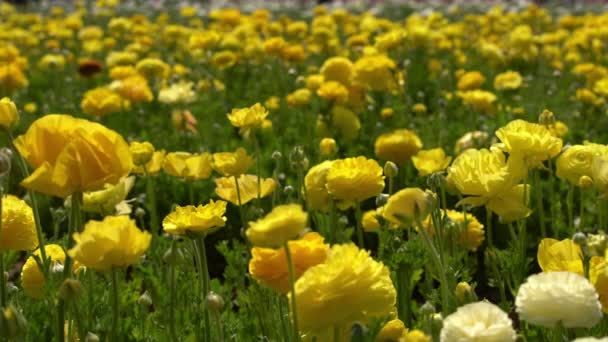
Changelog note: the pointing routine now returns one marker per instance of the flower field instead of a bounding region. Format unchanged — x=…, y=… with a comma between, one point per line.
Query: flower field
x=395, y=173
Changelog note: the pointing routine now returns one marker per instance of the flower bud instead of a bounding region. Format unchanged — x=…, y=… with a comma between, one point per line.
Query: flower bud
x=381, y=199
x=13, y=323
x=585, y=182
x=91, y=337
x=390, y=169
x=328, y=147
x=546, y=118
x=580, y=238
x=288, y=189
x=70, y=289
x=427, y=309
x=56, y=268
x=276, y=155
x=11, y=288
x=297, y=154
x=9, y=115
x=140, y=212
x=214, y=301
x=464, y=293
x=145, y=299
x=343, y=221
x=141, y=152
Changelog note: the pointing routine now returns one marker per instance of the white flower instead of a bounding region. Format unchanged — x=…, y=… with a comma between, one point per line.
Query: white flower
x=548, y=298
x=180, y=92
x=480, y=322
x=591, y=339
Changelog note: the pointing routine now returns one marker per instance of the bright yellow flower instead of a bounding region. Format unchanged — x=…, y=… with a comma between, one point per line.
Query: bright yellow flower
x=565, y=255
x=204, y=219
x=577, y=161
x=114, y=242
x=430, y=161
x=224, y=59
x=226, y=189
x=480, y=100
x=141, y=152
x=403, y=206
x=532, y=142
x=339, y=69
x=470, y=236
x=134, y=88
x=153, y=166
x=249, y=117
x=509, y=80
x=30, y=107
x=369, y=221
x=153, y=68
x=419, y=108
x=105, y=201
x=397, y=146
x=392, y=331
x=300, y=97
x=328, y=147
x=489, y=180
x=349, y=286
x=9, y=115
x=283, y=223
x=32, y=278
x=470, y=81
x=187, y=165
x=71, y=155
x=269, y=266
x=345, y=121
x=12, y=77
x=333, y=91
x=122, y=72
x=232, y=163
x=375, y=72
x=313, y=82
x=354, y=179
x=101, y=101
x=317, y=195
x=18, y=231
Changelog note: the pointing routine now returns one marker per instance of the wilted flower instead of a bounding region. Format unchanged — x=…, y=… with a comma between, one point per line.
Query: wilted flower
x=397, y=146
x=481, y=321
x=283, y=223
x=114, y=242
x=269, y=266
x=204, y=219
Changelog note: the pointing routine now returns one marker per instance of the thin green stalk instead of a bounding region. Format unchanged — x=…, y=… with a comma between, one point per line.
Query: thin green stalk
x=489, y=228
x=284, y=325
x=570, y=207
x=172, y=300
x=203, y=273
x=581, y=208
x=404, y=295
x=3, y=299
x=358, y=215
x=238, y=198
x=152, y=203
x=539, y=204
x=191, y=193
x=79, y=321
x=600, y=213
x=258, y=165
x=292, y=282
x=114, y=333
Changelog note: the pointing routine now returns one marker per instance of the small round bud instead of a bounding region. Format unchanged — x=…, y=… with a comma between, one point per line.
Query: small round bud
x=145, y=299
x=288, y=189
x=381, y=199
x=70, y=289
x=214, y=301
x=140, y=212
x=465, y=293
x=580, y=238
x=276, y=155
x=141, y=152
x=585, y=182
x=5, y=163
x=390, y=169
x=297, y=154
x=9, y=115
x=427, y=309
x=305, y=163
x=328, y=147
x=343, y=220
x=546, y=118
x=436, y=180
x=11, y=288
x=91, y=337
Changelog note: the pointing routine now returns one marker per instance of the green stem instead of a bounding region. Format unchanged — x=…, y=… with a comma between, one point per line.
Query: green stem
x=581, y=210
x=2, y=281
x=404, y=295
x=336, y=333
x=172, y=299
x=151, y=198
x=489, y=227
x=539, y=203
x=115, y=306
x=570, y=206
x=358, y=215
x=284, y=325
x=203, y=273
x=292, y=282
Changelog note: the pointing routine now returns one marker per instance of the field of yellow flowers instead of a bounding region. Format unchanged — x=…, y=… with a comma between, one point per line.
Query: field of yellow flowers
x=303, y=174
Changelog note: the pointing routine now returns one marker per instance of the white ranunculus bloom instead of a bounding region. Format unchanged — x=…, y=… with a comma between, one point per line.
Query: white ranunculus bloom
x=548, y=298
x=480, y=322
x=591, y=339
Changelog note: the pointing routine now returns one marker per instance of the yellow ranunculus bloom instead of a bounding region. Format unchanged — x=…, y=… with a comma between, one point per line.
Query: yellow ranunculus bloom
x=317, y=196
x=345, y=121
x=532, y=142
x=509, y=80
x=375, y=72
x=18, y=231
x=32, y=278
x=12, y=77
x=114, y=242
x=249, y=117
x=354, y=179
x=470, y=236
x=9, y=115
x=134, y=88
x=338, y=69
x=397, y=146
x=403, y=206
x=489, y=180
x=430, y=161
x=283, y=223
x=333, y=91
x=204, y=219
x=565, y=255
x=328, y=147
x=101, y=101
x=154, y=165
x=232, y=163
x=349, y=286
x=105, y=201
x=225, y=188
x=480, y=100
x=470, y=81
x=392, y=331
x=141, y=152
x=269, y=266
x=153, y=68
x=71, y=155
x=577, y=161
x=187, y=165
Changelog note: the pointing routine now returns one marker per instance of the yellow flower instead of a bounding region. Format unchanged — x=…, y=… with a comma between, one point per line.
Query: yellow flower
x=153, y=166
x=532, y=142
x=134, y=88
x=141, y=152
x=105, y=201
x=283, y=223
x=397, y=146
x=300, y=97
x=419, y=108
x=187, y=165
x=12, y=76
x=554, y=256
x=224, y=59
x=577, y=161
x=430, y=161
x=509, y=80
x=232, y=163
x=32, y=278
x=226, y=189
x=392, y=331
x=375, y=72
x=369, y=221
x=101, y=101
x=386, y=113
x=30, y=107
x=71, y=155
x=470, y=81
x=9, y=115
x=18, y=231
x=470, y=236
x=114, y=242
x=346, y=122
x=333, y=91
x=317, y=196
x=328, y=147
x=416, y=336
x=313, y=82
x=153, y=68
x=480, y=100
x=489, y=180
x=349, y=286
x=354, y=179
x=52, y=62
x=250, y=117
x=269, y=266
x=403, y=206
x=204, y=219
x=339, y=69
x=179, y=92
x=122, y=72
